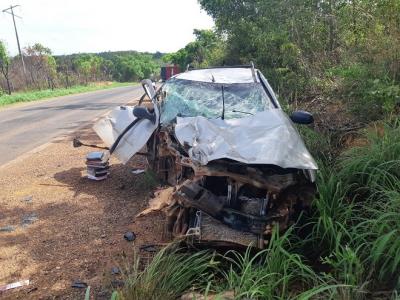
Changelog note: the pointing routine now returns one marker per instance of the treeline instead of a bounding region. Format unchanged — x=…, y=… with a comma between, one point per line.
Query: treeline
x=42, y=70
x=334, y=49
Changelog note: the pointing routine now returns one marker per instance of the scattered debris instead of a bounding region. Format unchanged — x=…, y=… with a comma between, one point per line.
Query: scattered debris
x=32, y=289
x=27, y=199
x=138, y=171
x=97, y=165
x=130, y=236
x=162, y=198
x=117, y=283
x=29, y=219
x=7, y=228
x=77, y=143
x=79, y=284
x=148, y=248
x=104, y=294
x=14, y=285
x=115, y=271
x=229, y=295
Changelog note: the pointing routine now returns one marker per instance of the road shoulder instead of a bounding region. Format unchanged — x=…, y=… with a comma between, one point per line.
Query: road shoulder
x=66, y=227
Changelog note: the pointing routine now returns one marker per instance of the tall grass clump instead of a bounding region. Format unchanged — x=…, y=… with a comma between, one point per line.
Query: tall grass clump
x=356, y=221
x=378, y=232
x=330, y=238
x=374, y=171
x=332, y=211
x=375, y=165
x=273, y=273
x=168, y=275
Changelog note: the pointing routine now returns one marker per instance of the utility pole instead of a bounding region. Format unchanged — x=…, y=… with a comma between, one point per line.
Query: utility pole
x=11, y=12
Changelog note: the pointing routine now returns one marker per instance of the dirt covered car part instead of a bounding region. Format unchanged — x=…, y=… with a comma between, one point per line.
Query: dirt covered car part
x=219, y=137
x=227, y=201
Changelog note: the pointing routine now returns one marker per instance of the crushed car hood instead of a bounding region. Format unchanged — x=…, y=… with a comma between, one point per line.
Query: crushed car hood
x=265, y=138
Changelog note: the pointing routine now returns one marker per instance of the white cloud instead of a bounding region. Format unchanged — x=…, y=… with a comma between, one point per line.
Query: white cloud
x=72, y=26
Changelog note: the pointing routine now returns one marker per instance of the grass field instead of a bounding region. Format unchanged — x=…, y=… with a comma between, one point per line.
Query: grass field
x=45, y=94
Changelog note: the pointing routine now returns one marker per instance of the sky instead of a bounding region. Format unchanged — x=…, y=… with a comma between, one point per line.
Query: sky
x=73, y=26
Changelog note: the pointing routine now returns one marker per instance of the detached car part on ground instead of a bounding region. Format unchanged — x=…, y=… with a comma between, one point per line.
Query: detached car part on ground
x=220, y=137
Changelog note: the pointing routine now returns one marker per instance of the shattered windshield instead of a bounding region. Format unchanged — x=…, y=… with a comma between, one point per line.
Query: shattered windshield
x=186, y=98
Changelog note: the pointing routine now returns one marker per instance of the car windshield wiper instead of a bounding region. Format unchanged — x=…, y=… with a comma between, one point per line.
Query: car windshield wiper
x=243, y=112
x=223, y=103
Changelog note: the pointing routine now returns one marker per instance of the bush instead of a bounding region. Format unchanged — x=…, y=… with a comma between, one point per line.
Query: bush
x=317, y=143
x=356, y=220
x=375, y=165
x=370, y=95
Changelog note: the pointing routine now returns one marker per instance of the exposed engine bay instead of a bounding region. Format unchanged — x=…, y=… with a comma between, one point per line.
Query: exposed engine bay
x=226, y=201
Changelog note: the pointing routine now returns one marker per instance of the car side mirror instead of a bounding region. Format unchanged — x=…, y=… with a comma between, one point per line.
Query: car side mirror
x=302, y=117
x=148, y=87
x=141, y=112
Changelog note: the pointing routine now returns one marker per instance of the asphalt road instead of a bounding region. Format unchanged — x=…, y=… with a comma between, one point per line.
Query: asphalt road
x=27, y=126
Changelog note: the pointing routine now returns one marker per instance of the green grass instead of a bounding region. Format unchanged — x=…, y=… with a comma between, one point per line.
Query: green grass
x=274, y=273
x=44, y=94
x=168, y=275
x=356, y=223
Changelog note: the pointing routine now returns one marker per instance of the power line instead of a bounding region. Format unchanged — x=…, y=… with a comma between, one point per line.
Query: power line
x=11, y=12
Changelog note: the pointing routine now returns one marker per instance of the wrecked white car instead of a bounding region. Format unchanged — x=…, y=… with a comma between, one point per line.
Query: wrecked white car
x=220, y=137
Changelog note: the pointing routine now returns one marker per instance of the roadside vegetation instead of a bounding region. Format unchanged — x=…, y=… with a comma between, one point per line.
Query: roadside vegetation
x=6, y=99
x=323, y=55
x=43, y=71
x=333, y=51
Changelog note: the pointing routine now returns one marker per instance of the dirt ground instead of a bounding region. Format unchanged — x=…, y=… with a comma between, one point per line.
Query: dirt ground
x=66, y=228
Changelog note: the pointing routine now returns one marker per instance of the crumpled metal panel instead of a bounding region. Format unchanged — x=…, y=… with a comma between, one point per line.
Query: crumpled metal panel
x=268, y=137
x=111, y=126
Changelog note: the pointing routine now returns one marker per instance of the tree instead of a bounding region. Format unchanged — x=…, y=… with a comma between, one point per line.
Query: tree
x=51, y=70
x=205, y=50
x=90, y=66
x=340, y=48
x=134, y=67
x=107, y=68
x=65, y=65
x=83, y=66
x=5, y=65
x=42, y=65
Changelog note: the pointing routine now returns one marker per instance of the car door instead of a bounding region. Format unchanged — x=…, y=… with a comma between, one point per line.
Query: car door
x=113, y=127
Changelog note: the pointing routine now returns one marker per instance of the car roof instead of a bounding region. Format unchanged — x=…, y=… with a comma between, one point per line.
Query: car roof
x=226, y=75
